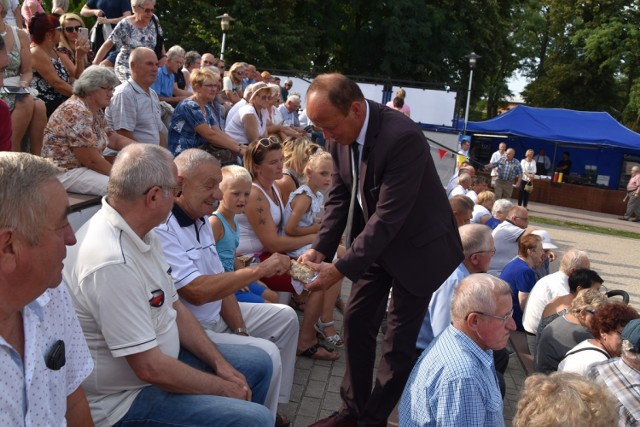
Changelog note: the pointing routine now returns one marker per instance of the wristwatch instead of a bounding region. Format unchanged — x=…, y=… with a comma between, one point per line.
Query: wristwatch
x=241, y=331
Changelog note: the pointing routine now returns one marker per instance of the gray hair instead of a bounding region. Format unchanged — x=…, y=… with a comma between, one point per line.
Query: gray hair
x=294, y=97
x=573, y=260
x=628, y=353
x=475, y=238
x=189, y=160
x=94, y=78
x=5, y=9
x=22, y=204
x=138, y=168
x=477, y=293
x=464, y=177
x=501, y=205
x=192, y=57
x=175, y=51
x=139, y=3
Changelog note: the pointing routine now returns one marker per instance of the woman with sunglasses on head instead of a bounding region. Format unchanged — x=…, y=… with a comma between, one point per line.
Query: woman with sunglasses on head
x=52, y=76
x=193, y=123
x=250, y=122
x=76, y=49
x=142, y=29
x=261, y=233
x=77, y=133
x=232, y=84
x=28, y=113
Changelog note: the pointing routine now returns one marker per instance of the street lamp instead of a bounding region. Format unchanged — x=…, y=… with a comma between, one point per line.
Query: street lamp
x=473, y=58
x=224, y=23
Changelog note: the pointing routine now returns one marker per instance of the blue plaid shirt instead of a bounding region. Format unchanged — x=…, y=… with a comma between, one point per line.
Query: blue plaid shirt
x=454, y=383
x=508, y=170
x=622, y=381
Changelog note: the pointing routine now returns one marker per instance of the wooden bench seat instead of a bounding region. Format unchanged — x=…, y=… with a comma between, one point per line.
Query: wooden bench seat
x=78, y=202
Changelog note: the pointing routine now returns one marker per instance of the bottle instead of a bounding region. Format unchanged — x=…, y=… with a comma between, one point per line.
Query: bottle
x=555, y=177
x=560, y=175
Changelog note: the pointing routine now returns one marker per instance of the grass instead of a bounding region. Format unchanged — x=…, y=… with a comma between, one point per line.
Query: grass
x=583, y=227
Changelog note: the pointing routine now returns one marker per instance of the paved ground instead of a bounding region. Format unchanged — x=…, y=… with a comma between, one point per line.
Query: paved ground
x=316, y=389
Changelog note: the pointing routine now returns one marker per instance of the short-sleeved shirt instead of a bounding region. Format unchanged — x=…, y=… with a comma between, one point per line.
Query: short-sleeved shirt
x=290, y=118
x=185, y=118
x=111, y=8
x=521, y=278
x=453, y=383
x=227, y=84
x=127, y=37
x=235, y=127
x=555, y=341
x=190, y=250
x=134, y=110
x=123, y=295
x=30, y=393
x=505, y=236
x=164, y=83
x=545, y=290
x=508, y=170
x=73, y=125
x=622, y=381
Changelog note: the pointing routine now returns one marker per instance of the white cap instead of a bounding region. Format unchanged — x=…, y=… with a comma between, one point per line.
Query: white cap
x=546, y=239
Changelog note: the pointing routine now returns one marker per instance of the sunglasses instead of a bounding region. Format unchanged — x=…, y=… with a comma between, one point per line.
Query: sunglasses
x=72, y=29
x=268, y=142
x=240, y=73
x=58, y=29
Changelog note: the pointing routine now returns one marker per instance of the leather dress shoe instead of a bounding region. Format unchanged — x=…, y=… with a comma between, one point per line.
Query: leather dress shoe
x=337, y=419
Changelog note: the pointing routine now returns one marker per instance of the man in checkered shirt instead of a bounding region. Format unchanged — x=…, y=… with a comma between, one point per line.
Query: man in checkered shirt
x=509, y=171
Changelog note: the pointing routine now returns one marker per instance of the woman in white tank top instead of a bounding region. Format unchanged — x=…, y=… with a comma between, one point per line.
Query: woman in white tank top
x=260, y=233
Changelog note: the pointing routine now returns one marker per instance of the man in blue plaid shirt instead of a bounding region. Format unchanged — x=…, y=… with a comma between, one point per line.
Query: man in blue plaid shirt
x=509, y=173
x=454, y=382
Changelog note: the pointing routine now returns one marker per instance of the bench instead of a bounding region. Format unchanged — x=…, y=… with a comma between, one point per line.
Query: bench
x=81, y=208
x=518, y=341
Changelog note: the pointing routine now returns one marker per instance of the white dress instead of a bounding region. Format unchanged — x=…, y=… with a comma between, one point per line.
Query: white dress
x=309, y=217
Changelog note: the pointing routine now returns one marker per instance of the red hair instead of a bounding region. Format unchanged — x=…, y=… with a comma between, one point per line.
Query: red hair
x=40, y=25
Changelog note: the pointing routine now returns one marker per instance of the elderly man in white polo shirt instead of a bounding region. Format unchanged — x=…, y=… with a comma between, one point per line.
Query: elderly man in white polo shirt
x=204, y=287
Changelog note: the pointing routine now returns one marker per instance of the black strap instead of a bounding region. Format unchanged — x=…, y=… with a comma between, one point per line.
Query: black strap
x=599, y=350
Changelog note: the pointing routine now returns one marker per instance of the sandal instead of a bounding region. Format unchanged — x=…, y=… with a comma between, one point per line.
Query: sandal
x=333, y=339
x=298, y=303
x=282, y=420
x=312, y=353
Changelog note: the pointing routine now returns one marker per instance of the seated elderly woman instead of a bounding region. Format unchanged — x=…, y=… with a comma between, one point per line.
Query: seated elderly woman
x=567, y=331
x=261, y=234
x=500, y=211
x=193, y=123
x=250, y=122
x=608, y=322
x=53, y=75
x=564, y=399
x=28, y=113
x=482, y=208
x=77, y=133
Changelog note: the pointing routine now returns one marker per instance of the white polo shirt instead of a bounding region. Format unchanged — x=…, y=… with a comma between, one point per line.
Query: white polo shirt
x=123, y=295
x=190, y=250
x=545, y=289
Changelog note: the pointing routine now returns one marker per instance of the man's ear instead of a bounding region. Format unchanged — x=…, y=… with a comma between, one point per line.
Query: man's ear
x=8, y=250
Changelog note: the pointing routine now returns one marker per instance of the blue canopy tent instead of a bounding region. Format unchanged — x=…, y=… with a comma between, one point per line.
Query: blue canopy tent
x=592, y=138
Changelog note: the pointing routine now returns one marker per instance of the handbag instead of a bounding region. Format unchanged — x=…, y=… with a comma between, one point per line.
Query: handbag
x=159, y=40
x=528, y=187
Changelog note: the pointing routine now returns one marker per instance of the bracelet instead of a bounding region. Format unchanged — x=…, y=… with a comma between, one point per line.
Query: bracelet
x=241, y=331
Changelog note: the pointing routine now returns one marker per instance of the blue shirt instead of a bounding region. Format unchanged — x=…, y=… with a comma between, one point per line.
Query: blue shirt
x=164, y=83
x=438, y=316
x=454, y=383
x=111, y=8
x=229, y=243
x=185, y=118
x=521, y=278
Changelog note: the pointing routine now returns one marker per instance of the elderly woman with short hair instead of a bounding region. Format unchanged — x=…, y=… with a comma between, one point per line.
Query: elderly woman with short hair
x=77, y=133
x=141, y=29
x=529, y=170
x=193, y=124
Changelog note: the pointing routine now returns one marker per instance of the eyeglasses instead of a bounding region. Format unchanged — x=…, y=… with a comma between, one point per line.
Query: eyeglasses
x=176, y=191
x=59, y=29
x=492, y=252
x=503, y=319
x=264, y=97
x=73, y=29
x=207, y=62
x=146, y=10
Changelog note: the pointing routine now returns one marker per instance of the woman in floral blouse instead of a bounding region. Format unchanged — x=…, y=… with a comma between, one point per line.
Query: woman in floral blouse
x=77, y=133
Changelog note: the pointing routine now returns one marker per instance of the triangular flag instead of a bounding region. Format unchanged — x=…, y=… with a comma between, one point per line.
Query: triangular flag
x=441, y=153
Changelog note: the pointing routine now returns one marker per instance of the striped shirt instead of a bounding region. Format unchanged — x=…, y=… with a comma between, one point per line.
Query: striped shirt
x=454, y=383
x=623, y=382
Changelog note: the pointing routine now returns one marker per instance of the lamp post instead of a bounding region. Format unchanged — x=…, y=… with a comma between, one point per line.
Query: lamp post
x=473, y=58
x=224, y=23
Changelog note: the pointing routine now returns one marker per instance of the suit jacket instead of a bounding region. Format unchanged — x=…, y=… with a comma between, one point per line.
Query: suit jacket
x=407, y=224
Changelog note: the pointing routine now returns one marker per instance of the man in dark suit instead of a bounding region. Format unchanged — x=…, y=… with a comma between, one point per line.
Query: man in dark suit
x=403, y=237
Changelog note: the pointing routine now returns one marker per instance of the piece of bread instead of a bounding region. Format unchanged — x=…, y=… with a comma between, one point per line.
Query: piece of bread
x=301, y=272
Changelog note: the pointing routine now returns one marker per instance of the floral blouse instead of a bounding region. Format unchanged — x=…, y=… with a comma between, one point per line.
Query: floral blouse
x=74, y=125
x=185, y=118
x=126, y=36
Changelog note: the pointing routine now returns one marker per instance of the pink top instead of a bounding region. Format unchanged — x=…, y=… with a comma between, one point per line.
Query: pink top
x=26, y=10
x=405, y=108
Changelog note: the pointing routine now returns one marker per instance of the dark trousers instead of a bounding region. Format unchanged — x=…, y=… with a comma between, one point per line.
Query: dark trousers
x=372, y=403
x=523, y=196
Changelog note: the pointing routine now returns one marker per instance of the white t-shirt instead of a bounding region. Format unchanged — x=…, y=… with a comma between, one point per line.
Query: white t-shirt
x=505, y=237
x=123, y=295
x=581, y=357
x=235, y=128
x=527, y=167
x=478, y=212
x=545, y=290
